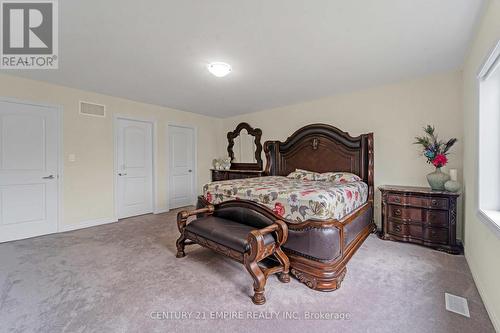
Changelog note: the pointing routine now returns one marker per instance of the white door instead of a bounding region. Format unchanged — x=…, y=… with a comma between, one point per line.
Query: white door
x=134, y=167
x=181, y=171
x=29, y=144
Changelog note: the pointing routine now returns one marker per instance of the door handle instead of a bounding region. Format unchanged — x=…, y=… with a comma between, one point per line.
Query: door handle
x=190, y=170
x=49, y=177
x=122, y=174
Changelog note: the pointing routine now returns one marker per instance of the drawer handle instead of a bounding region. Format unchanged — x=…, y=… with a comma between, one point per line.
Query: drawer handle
x=434, y=202
x=397, y=228
x=397, y=212
x=397, y=199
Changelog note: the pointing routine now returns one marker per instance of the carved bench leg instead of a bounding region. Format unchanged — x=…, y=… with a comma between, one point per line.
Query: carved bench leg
x=259, y=282
x=181, y=225
x=180, y=246
x=285, y=263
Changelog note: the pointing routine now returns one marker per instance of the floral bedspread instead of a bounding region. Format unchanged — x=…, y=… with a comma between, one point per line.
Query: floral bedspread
x=293, y=199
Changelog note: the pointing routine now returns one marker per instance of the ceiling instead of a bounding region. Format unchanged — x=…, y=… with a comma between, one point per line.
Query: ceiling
x=282, y=51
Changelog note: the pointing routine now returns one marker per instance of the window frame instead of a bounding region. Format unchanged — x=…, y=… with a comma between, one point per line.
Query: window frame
x=488, y=217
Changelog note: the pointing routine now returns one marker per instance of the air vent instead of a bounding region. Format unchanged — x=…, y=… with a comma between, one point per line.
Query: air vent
x=457, y=304
x=92, y=109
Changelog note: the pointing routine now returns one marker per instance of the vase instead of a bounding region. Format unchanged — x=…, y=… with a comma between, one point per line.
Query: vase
x=437, y=179
x=452, y=186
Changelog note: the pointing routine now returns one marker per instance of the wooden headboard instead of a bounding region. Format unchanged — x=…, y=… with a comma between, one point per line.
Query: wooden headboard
x=322, y=148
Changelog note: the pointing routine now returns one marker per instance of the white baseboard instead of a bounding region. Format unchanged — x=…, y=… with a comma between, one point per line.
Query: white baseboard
x=494, y=320
x=161, y=210
x=87, y=224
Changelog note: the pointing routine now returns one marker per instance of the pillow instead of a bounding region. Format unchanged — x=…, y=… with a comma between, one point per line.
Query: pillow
x=339, y=177
x=304, y=175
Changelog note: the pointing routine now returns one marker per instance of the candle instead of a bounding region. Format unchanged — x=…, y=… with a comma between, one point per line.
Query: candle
x=453, y=174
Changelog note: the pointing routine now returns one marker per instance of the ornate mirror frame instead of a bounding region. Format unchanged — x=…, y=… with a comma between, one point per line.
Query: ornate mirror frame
x=257, y=134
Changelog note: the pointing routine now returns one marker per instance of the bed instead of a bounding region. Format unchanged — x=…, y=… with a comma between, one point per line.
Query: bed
x=327, y=222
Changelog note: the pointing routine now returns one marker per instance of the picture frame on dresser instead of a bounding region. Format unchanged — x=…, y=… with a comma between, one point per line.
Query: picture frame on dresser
x=421, y=216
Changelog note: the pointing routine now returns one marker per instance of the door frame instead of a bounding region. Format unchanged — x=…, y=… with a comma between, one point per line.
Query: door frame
x=195, y=159
x=60, y=152
x=154, y=140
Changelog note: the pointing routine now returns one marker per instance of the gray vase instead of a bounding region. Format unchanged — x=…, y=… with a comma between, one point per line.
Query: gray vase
x=452, y=186
x=437, y=179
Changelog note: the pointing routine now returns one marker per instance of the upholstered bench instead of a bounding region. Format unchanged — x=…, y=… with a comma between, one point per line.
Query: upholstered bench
x=241, y=234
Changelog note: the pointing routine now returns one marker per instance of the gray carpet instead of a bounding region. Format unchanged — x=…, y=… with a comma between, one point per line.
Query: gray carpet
x=124, y=277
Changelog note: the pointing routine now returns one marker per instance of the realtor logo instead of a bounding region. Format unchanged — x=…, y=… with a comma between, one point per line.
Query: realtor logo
x=29, y=34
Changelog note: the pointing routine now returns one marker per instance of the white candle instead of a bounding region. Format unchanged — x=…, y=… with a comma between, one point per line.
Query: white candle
x=453, y=174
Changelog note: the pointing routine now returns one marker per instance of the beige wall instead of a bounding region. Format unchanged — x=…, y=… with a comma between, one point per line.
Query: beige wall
x=482, y=246
x=88, y=182
x=395, y=113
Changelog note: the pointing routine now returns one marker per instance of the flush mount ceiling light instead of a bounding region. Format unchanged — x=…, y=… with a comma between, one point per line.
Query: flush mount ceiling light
x=219, y=69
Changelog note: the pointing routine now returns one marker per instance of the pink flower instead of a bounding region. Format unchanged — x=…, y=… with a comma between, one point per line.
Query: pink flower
x=440, y=160
x=279, y=209
x=208, y=196
x=349, y=194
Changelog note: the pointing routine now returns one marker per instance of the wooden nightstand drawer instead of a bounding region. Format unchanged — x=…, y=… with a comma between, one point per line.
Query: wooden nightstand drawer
x=436, y=235
x=418, y=215
x=415, y=231
x=436, y=217
x=405, y=213
x=398, y=229
x=417, y=201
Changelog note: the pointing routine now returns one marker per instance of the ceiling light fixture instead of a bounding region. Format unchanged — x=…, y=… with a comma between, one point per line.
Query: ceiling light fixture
x=219, y=69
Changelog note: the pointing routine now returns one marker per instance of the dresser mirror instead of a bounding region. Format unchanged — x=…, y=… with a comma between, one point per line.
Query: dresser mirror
x=244, y=147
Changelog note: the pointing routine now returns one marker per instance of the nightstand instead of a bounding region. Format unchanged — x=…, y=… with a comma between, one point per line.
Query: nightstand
x=420, y=215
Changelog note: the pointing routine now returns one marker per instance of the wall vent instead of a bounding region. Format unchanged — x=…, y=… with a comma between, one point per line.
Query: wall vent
x=92, y=109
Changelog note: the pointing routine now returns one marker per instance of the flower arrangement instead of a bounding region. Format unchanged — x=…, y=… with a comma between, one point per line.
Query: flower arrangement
x=221, y=163
x=435, y=150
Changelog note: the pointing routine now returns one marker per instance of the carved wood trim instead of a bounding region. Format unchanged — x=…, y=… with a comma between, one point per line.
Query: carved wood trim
x=322, y=148
x=257, y=134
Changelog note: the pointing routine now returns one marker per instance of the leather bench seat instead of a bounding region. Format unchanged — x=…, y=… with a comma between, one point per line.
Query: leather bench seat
x=226, y=232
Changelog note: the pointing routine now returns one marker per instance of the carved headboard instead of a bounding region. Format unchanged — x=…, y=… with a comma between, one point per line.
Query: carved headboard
x=322, y=148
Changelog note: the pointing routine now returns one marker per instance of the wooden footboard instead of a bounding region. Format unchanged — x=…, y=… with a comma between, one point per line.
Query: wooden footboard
x=327, y=275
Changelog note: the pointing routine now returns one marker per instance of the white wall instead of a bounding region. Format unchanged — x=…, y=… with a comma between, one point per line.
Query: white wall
x=395, y=113
x=482, y=246
x=88, y=182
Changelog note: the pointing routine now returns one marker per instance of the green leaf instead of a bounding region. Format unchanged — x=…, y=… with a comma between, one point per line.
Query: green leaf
x=429, y=130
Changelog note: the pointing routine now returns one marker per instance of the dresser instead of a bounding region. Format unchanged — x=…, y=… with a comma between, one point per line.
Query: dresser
x=234, y=174
x=420, y=215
